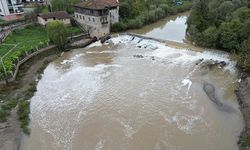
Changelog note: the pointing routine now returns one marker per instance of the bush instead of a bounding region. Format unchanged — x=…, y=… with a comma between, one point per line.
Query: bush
x=6, y=108
x=118, y=27
x=23, y=112
x=165, y=8
x=57, y=33
x=210, y=36
x=159, y=13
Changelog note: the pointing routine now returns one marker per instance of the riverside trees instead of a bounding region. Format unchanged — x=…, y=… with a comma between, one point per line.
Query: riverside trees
x=222, y=24
x=57, y=33
x=136, y=13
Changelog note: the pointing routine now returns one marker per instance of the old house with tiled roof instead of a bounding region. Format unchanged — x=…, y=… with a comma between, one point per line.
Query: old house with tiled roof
x=63, y=16
x=97, y=16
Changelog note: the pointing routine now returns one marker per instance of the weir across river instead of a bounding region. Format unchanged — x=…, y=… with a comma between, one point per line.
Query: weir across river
x=174, y=44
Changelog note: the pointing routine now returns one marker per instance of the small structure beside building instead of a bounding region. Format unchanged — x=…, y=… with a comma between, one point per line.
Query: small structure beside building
x=97, y=16
x=63, y=16
x=11, y=9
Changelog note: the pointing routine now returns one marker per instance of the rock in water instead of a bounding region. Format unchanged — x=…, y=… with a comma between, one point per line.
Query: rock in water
x=210, y=91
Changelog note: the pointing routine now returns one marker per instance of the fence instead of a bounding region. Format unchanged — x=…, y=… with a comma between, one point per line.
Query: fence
x=11, y=75
x=8, y=29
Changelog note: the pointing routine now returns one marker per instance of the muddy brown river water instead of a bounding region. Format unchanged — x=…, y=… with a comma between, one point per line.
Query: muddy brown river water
x=131, y=95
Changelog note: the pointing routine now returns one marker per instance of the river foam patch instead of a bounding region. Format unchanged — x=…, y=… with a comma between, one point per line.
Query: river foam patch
x=172, y=55
x=57, y=97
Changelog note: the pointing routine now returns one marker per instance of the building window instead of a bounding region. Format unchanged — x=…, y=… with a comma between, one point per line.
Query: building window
x=76, y=15
x=80, y=17
x=91, y=12
x=93, y=19
x=83, y=17
x=89, y=19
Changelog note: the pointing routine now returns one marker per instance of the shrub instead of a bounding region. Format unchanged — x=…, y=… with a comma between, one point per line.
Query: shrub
x=23, y=111
x=165, y=8
x=6, y=108
x=57, y=33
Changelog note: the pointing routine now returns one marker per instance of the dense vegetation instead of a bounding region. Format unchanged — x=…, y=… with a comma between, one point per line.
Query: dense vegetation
x=223, y=24
x=65, y=5
x=19, y=42
x=57, y=33
x=136, y=13
x=26, y=40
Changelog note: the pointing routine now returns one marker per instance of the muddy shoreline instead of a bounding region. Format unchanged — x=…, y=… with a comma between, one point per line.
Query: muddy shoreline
x=22, y=89
x=243, y=96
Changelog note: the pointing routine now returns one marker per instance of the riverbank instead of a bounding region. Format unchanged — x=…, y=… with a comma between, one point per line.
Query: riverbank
x=243, y=95
x=22, y=90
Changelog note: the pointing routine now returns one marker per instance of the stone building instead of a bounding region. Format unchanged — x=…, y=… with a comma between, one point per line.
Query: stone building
x=11, y=9
x=97, y=16
x=63, y=16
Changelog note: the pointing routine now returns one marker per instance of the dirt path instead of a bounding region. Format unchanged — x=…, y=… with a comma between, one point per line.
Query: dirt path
x=22, y=89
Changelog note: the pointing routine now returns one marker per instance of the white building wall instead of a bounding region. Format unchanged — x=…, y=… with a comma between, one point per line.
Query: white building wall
x=4, y=10
x=114, y=15
x=34, y=0
x=93, y=24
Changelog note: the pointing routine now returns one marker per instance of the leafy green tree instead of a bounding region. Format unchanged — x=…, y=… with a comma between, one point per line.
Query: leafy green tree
x=57, y=33
x=63, y=5
x=229, y=35
x=165, y=8
x=125, y=10
x=242, y=14
x=225, y=10
x=210, y=36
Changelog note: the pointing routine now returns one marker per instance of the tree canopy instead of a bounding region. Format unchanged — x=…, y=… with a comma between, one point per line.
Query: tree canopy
x=57, y=33
x=136, y=13
x=223, y=24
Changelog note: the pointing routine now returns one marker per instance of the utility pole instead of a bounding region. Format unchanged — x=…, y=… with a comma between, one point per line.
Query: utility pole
x=4, y=69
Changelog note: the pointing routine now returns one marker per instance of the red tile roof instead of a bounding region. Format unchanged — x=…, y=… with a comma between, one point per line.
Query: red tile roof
x=57, y=15
x=97, y=4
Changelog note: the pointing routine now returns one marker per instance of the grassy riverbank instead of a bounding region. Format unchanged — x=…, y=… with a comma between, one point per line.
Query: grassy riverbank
x=18, y=94
x=25, y=40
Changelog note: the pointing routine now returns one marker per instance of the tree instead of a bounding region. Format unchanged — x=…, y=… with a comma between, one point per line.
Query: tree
x=225, y=10
x=125, y=10
x=57, y=33
x=229, y=38
x=63, y=5
x=210, y=37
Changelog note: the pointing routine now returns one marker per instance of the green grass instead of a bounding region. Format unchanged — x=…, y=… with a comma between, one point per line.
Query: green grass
x=6, y=108
x=23, y=112
x=4, y=49
x=73, y=30
x=45, y=10
x=26, y=39
x=245, y=141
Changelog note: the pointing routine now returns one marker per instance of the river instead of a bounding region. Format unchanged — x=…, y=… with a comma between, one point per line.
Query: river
x=136, y=94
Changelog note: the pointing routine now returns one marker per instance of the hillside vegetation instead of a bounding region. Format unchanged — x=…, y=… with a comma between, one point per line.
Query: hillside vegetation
x=223, y=24
x=136, y=13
